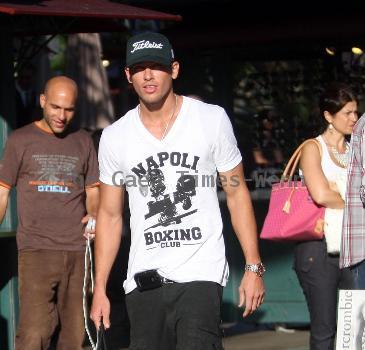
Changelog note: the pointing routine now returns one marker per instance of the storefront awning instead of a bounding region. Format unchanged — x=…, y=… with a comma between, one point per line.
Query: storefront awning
x=44, y=17
x=84, y=8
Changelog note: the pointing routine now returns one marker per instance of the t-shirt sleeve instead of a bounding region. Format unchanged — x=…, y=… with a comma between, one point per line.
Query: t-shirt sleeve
x=9, y=164
x=92, y=173
x=225, y=151
x=110, y=172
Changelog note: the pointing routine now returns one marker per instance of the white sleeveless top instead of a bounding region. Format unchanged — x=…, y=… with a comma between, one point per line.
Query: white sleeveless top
x=333, y=217
x=331, y=170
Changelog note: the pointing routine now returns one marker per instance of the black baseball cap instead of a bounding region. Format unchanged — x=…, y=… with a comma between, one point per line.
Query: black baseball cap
x=149, y=47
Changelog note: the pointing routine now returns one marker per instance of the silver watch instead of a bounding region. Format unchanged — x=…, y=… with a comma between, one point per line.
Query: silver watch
x=258, y=269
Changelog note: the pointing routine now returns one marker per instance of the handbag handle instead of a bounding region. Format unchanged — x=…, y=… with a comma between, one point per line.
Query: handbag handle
x=294, y=159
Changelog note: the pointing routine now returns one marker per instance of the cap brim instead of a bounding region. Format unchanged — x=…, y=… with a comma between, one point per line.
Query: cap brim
x=154, y=59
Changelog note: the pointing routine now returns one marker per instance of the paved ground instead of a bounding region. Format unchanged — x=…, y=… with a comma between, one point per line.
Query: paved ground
x=268, y=340
x=264, y=340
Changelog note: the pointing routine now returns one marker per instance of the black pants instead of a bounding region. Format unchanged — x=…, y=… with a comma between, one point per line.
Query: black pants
x=178, y=316
x=320, y=277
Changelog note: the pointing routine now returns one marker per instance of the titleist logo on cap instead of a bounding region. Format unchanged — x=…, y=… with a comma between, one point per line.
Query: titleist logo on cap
x=143, y=44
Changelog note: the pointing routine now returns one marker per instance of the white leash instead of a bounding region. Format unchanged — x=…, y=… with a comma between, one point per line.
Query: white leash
x=90, y=227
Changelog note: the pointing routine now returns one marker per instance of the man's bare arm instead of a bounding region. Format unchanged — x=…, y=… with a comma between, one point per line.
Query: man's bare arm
x=92, y=203
x=4, y=197
x=239, y=204
x=107, y=242
x=92, y=200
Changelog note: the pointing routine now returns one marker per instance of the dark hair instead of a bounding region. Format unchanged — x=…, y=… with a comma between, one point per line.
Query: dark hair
x=333, y=99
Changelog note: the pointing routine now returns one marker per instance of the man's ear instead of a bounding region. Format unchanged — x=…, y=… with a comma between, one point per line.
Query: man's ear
x=42, y=100
x=175, y=67
x=128, y=75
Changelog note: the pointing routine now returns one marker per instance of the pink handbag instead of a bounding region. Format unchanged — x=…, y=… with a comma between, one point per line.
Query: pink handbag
x=293, y=215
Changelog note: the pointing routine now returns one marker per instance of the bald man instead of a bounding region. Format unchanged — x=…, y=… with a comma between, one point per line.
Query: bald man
x=55, y=173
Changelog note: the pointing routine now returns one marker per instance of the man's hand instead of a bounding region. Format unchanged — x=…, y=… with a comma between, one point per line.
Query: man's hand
x=252, y=292
x=90, y=222
x=100, y=309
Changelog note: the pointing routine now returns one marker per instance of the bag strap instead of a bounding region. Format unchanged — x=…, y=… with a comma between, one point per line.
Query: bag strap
x=294, y=159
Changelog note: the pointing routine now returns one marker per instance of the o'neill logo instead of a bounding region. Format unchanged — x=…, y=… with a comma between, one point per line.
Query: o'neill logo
x=143, y=44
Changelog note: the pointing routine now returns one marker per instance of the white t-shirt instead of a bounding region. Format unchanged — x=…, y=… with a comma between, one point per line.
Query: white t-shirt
x=176, y=224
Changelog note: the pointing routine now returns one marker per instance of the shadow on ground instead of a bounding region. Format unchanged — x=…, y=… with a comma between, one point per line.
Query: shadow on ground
x=243, y=336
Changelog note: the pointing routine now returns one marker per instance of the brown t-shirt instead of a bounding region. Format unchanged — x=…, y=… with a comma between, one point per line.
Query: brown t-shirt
x=50, y=174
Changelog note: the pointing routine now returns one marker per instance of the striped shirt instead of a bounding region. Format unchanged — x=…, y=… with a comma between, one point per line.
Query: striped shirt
x=353, y=228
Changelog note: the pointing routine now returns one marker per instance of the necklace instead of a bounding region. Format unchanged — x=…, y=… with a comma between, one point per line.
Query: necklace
x=168, y=122
x=341, y=158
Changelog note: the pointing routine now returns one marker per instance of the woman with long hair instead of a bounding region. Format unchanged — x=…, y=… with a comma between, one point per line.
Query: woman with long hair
x=316, y=266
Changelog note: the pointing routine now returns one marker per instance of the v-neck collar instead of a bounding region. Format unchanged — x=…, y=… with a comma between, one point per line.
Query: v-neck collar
x=147, y=135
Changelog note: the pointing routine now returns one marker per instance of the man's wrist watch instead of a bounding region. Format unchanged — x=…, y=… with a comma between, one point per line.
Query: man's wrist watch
x=258, y=269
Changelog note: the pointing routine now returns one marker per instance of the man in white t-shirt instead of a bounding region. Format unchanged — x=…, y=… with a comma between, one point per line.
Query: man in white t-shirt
x=166, y=153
